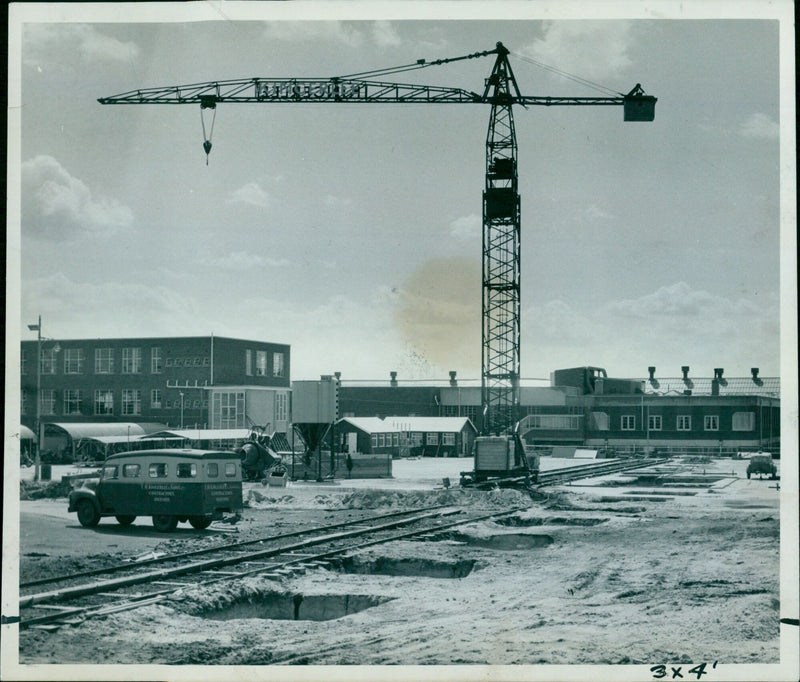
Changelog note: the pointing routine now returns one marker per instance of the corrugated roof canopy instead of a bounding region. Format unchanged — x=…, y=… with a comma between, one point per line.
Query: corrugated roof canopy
x=203, y=434
x=766, y=386
x=94, y=429
x=401, y=424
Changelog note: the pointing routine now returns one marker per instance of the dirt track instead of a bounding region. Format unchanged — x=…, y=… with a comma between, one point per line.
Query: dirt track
x=593, y=576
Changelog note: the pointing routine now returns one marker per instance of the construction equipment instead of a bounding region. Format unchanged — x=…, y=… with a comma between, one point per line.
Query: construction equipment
x=500, y=361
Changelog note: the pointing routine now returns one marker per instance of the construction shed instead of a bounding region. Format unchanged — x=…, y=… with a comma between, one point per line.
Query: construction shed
x=407, y=436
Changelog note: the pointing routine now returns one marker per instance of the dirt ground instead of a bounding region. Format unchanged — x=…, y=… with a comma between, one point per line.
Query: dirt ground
x=598, y=573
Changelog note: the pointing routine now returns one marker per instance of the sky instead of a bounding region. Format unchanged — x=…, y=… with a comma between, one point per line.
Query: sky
x=353, y=232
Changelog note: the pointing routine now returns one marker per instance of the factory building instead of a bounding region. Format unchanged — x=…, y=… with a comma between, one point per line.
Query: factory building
x=193, y=381
x=583, y=407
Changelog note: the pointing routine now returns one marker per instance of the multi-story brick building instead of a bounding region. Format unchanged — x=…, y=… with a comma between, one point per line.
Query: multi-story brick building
x=197, y=381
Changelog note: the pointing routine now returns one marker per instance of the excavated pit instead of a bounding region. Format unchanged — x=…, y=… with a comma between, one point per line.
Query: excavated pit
x=282, y=606
x=526, y=522
x=407, y=567
x=501, y=541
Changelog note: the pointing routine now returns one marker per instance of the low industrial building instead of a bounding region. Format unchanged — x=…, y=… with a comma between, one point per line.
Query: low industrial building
x=583, y=407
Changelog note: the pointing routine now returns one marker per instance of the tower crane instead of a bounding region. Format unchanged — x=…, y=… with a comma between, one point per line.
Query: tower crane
x=500, y=338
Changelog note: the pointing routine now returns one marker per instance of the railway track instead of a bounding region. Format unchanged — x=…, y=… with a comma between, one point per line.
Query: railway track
x=152, y=581
x=595, y=468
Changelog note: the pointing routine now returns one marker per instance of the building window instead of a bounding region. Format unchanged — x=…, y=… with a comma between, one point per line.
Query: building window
x=570, y=422
x=261, y=363
x=206, y=361
x=23, y=401
x=23, y=362
x=711, y=422
x=396, y=439
x=47, y=405
x=654, y=422
x=228, y=410
x=168, y=362
x=131, y=360
x=196, y=404
x=684, y=422
x=48, y=361
x=131, y=401
x=278, y=367
x=627, y=422
x=103, y=361
x=248, y=363
x=280, y=407
x=177, y=362
x=381, y=440
x=72, y=402
x=155, y=399
x=73, y=361
x=155, y=360
x=448, y=439
x=744, y=421
x=103, y=402
x=431, y=438
x=373, y=439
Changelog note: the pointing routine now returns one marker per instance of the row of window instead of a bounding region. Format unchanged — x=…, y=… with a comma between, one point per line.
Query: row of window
x=161, y=470
x=103, y=402
x=131, y=361
x=413, y=439
x=278, y=364
x=740, y=421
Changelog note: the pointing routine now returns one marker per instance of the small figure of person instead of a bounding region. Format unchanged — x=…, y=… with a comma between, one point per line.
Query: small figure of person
x=349, y=464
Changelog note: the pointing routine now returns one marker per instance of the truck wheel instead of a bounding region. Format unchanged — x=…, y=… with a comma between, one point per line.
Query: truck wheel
x=125, y=519
x=88, y=514
x=199, y=522
x=164, y=523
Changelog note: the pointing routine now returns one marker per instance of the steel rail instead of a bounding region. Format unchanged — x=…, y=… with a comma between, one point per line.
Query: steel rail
x=591, y=470
x=210, y=564
x=220, y=548
x=137, y=601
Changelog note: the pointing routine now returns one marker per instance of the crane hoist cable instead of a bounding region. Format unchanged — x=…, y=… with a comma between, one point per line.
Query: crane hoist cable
x=208, y=103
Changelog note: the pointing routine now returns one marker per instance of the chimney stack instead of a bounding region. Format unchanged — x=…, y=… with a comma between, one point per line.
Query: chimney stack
x=685, y=370
x=338, y=376
x=652, y=372
x=453, y=381
x=393, y=381
x=754, y=372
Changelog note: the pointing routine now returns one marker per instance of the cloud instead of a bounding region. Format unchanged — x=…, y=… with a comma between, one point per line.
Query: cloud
x=671, y=326
x=58, y=206
x=252, y=194
x=80, y=309
x=85, y=40
x=466, y=227
x=589, y=49
x=760, y=126
x=245, y=260
x=335, y=31
x=331, y=200
x=384, y=34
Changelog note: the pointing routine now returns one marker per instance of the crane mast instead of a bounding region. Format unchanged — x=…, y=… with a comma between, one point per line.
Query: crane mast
x=501, y=267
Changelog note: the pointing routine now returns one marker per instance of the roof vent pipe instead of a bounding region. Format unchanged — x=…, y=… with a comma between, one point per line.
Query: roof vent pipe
x=453, y=381
x=685, y=370
x=754, y=372
x=393, y=381
x=718, y=372
x=652, y=372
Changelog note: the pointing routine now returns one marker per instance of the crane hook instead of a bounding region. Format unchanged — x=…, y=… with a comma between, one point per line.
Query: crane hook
x=207, y=148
